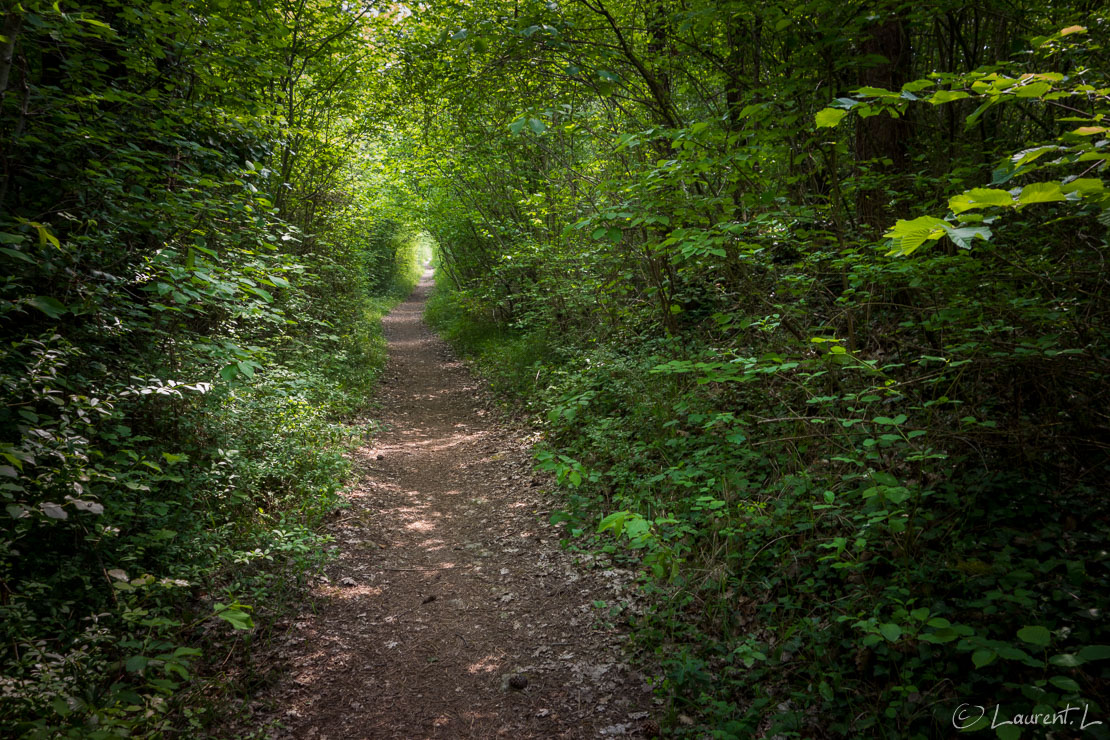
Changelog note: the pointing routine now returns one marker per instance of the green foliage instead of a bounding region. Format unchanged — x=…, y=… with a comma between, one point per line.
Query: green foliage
x=195, y=260
x=829, y=372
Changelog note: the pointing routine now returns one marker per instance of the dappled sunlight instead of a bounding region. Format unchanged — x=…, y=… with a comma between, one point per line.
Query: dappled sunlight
x=488, y=664
x=409, y=343
x=351, y=592
x=429, y=442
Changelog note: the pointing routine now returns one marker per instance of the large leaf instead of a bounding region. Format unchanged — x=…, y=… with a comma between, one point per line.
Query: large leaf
x=49, y=306
x=1040, y=192
x=1095, y=652
x=829, y=117
x=890, y=631
x=234, y=615
x=1034, y=90
x=980, y=198
x=907, y=236
x=947, y=96
x=1083, y=186
x=54, y=511
x=964, y=235
x=1035, y=635
x=16, y=254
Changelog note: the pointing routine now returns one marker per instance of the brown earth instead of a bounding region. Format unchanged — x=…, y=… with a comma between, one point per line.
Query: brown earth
x=451, y=610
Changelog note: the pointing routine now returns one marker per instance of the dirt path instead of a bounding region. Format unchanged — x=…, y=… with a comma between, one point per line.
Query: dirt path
x=451, y=611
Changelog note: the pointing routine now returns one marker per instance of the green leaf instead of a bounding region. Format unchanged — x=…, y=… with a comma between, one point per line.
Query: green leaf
x=875, y=92
x=907, y=236
x=890, y=631
x=1083, y=186
x=45, y=237
x=136, y=663
x=963, y=236
x=1009, y=652
x=537, y=125
x=1033, y=90
x=1040, y=192
x=49, y=306
x=260, y=292
x=94, y=22
x=234, y=615
x=917, y=85
x=1028, y=156
x=980, y=198
x=947, y=96
x=16, y=254
x=614, y=521
x=829, y=117
x=978, y=112
x=1035, y=635
x=17, y=511
x=1007, y=732
x=982, y=658
x=1065, y=683
x=54, y=511
x=1095, y=652
x=1066, y=660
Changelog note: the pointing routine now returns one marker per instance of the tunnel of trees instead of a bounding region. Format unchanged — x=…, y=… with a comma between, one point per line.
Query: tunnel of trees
x=810, y=300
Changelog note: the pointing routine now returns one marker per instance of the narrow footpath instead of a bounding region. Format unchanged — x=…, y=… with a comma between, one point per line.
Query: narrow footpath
x=451, y=611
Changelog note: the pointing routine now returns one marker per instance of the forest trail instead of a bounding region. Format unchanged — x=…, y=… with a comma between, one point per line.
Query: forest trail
x=450, y=584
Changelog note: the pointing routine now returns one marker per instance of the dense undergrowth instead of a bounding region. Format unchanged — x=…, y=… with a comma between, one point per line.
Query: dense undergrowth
x=195, y=261
x=819, y=339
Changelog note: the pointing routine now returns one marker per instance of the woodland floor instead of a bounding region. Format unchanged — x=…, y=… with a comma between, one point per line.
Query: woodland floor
x=451, y=610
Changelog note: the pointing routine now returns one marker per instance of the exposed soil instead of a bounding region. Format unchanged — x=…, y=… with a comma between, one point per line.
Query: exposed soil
x=451, y=610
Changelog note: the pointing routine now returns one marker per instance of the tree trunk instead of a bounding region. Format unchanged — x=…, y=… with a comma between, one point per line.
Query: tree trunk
x=12, y=23
x=881, y=140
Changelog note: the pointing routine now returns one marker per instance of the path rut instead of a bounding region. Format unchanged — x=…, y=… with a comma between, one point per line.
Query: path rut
x=451, y=611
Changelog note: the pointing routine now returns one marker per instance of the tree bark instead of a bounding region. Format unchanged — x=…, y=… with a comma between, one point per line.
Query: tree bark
x=12, y=23
x=881, y=140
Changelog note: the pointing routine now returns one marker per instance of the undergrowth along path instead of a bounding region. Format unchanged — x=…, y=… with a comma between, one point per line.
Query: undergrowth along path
x=451, y=610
